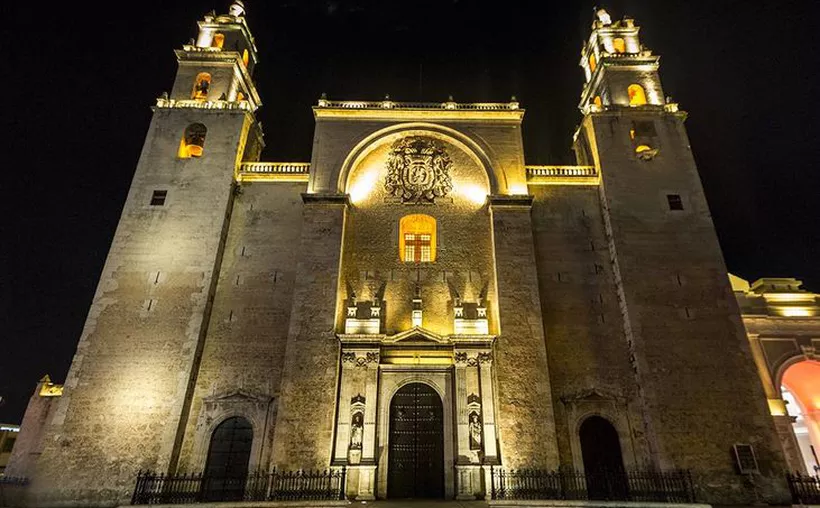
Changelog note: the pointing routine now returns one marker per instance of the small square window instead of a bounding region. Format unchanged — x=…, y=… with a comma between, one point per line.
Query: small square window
x=675, y=201
x=158, y=198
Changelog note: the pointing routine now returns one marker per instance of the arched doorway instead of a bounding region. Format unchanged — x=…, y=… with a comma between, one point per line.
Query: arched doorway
x=228, y=455
x=603, y=462
x=416, y=446
x=801, y=388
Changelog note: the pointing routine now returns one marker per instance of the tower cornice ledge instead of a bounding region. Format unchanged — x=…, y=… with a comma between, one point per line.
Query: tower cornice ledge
x=310, y=198
x=513, y=201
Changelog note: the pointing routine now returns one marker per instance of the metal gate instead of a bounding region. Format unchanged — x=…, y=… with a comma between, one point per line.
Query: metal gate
x=416, y=454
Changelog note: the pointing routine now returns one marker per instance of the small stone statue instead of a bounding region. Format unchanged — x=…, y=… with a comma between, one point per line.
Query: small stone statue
x=356, y=428
x=475, y=431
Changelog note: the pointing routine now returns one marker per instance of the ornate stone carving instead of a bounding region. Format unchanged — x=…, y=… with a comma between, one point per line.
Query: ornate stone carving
x=360, y=359
x=473, y=360
x=418, y=170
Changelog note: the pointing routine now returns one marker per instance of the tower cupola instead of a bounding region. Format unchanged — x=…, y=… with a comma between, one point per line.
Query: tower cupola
x=218, y=66
x=619, y=70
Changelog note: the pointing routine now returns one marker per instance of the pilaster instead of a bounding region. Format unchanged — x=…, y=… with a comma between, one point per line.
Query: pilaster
x=304, y=426
x=526, y=422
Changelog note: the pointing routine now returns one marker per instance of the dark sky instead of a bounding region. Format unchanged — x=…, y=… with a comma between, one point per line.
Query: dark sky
x=79, y=78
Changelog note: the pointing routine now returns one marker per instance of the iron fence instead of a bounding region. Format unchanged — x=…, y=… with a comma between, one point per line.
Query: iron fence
x=647, y=486
x=805, y=489
x=154, y=488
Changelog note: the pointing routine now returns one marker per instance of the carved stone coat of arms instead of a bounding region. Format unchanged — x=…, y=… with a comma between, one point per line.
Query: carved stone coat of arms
x=418, y=170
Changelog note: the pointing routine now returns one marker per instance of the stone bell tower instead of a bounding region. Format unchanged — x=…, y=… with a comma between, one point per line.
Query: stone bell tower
x=128, y=391
x=690, y=360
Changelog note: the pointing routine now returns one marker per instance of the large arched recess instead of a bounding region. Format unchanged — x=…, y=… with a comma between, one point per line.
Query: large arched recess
x=481, y=153
x=801, y=377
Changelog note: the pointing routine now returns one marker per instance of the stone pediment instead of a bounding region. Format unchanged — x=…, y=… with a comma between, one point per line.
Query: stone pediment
x=591, y=395
x=238, y=397
x=417, y=335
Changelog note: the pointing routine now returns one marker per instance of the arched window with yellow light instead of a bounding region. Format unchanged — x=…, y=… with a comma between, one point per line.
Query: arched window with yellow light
x=193, y=141
x=417, y=238
x=246, y=57
x=202, y=85
x=637, y=95
x=592, y=62
x=619, y=45
x=219, y=41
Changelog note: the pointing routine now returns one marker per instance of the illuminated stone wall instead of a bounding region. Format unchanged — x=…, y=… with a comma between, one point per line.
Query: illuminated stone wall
x=29, y=443
x=307, y=403
x=241, y=369
x=681, y=323
x=588, y=356
x=126, y=390
x=371, y=256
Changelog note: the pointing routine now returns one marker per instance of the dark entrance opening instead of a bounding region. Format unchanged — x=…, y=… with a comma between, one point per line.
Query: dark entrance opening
x=227, y=467
x=416, y=454
x=603, y=462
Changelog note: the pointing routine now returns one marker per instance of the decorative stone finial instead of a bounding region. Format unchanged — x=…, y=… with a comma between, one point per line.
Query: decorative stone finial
x=603, y=16
x=237, y=9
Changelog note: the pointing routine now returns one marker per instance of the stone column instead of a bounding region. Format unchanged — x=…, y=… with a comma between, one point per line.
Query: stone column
x=488, y=409
x=367, y=466
x=468, y=478
x=346, y=388
x=526, y=423
x=785, y=431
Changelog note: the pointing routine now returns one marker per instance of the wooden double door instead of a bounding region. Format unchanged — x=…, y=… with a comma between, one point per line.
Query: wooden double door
x=416, y=444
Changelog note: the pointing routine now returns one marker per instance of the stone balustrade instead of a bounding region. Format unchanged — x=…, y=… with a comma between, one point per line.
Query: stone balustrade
x=388, y=104
x=562, y=175
x=162, y=102
x=274, y=171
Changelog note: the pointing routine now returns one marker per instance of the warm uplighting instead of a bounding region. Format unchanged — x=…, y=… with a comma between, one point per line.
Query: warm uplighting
x=597, y=101
x=642, y=148
x=417, y=317
x=417, y=238
x=637, y=96
x=795, y=311
x=777, y=407
x=363, y=185
x=473, y=193
x=619, y=45
x=219, y=41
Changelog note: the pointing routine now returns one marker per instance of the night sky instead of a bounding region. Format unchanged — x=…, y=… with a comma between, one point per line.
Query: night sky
x=79, y=80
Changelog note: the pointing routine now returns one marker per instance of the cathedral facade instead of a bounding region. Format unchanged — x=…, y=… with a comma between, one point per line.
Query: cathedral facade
x=416, y=304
